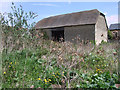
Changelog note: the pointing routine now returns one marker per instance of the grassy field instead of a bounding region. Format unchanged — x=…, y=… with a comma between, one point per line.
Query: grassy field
x=48, y=64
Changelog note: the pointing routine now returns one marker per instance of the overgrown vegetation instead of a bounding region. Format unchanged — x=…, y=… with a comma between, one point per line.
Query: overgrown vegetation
x=61, y=64
x=30, y=61
x=110, y=35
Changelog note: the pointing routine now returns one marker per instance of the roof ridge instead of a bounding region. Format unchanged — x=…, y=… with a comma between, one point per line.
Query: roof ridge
x=75, y=18
x=72, y=13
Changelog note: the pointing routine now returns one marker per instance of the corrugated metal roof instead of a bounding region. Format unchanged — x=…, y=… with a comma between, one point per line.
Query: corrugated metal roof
x=78, y=18
x=114, y=26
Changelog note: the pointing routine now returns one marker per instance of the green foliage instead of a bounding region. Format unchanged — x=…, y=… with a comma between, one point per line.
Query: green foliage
x=16, y=28
x=97, y=80
x=110, y=35
x=27, y=66
x=18, y=18
x=103, y=42
x=93, y=41
x=45, y=36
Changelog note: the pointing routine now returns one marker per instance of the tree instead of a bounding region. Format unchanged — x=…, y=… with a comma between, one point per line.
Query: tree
x=16, y=26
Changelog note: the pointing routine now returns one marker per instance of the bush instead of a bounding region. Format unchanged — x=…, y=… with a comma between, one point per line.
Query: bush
x=110, y=35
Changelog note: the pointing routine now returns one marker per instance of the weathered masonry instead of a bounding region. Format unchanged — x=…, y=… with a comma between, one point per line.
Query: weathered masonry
x=85, y=25
x=115, y=29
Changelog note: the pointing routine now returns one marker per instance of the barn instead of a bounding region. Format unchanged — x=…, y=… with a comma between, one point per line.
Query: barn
x=85, y=25
x=115, y=29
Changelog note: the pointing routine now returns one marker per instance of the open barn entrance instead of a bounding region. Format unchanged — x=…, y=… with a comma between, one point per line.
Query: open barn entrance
x=58, y=34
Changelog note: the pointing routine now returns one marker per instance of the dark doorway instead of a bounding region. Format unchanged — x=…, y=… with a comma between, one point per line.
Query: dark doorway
x=58, y=34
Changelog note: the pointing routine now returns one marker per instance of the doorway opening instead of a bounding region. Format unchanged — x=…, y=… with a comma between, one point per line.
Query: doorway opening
x=58, y=34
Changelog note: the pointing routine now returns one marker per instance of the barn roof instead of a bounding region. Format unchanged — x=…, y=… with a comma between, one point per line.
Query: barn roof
x=70, y=19
x=114, y=26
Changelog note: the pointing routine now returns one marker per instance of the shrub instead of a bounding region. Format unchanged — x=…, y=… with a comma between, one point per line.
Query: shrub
x=110, y=35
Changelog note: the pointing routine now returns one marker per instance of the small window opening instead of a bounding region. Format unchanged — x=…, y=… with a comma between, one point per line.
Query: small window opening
x=101, y=35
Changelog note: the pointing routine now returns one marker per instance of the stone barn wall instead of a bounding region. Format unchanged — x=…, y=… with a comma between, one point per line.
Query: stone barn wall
x=119, y=34
x=48, y=31
x=116, y=34
x=84, y=32
x=97, y=32
x=101, y=30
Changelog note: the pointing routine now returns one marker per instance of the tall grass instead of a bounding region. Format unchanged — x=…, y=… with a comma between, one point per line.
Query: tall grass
x=65, y=64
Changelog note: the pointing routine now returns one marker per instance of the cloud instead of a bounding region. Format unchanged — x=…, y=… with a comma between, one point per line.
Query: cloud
x=112, y=19
x=42, y=4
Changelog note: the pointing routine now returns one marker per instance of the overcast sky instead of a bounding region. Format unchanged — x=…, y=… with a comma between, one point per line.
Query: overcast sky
x=46, y=9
